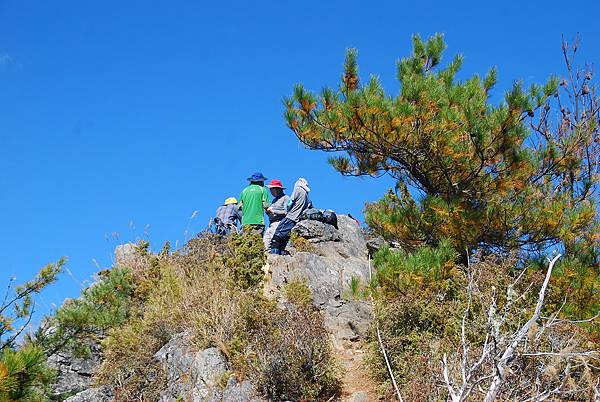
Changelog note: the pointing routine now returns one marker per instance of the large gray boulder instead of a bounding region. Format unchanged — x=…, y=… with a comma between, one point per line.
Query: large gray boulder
x=100, y=394
x=74, y=374
x=316, y=232
x=197, y=376
x=345, y=241
x=236, y=391
x=190, y=374
x=125, y=255
x=339, y=255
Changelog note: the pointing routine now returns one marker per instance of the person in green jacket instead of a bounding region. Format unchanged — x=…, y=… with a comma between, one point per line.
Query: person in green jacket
x=253, y=202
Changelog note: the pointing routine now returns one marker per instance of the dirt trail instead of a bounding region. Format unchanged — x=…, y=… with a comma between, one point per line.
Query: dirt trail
x=357, y=385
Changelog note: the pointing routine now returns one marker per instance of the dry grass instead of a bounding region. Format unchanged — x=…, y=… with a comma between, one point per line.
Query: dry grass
x=213, y=288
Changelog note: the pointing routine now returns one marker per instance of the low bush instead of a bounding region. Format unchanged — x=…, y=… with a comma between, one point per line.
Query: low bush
x=302, y=244
x=417, y=327
x=298, y=292
x=292, y=357
x=425, y=319
x=245, y=257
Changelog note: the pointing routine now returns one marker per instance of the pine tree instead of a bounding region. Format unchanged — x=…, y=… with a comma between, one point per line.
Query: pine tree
x=23, y=370
x=520, y=175
x=483, y=175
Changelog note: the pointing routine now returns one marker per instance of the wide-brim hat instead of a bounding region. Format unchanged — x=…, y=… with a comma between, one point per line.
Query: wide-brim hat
x=275, y=183
x=257, y=177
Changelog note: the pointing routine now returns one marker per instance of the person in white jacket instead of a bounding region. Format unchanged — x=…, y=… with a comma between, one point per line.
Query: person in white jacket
x=298, y=203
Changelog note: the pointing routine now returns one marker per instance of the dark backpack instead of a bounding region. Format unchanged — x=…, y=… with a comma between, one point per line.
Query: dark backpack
x=330, y=217
x=312, y=214
x=217, y=226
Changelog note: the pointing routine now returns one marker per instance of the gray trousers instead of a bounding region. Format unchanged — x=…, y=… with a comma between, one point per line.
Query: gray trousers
x=269, y=235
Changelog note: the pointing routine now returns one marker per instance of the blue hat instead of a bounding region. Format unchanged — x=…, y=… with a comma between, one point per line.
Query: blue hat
x=257, y=177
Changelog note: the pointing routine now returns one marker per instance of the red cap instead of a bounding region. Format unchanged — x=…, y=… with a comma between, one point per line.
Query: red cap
x=275, y=183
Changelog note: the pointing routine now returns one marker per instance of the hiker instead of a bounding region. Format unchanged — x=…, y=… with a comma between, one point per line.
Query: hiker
x=298, y=203
x=277, y=211
x=254, y=200
x=227, y=218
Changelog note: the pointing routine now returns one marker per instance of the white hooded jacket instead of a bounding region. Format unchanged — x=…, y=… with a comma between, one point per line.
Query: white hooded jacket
x=299, y=200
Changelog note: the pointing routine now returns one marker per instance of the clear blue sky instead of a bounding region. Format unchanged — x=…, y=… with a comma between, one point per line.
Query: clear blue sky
x=118, y=119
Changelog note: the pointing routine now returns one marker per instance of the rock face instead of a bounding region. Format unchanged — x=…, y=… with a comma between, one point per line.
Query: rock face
x=198, y=376
x=339, y=256
x=203, y=375
x=74, y=373
x=317, y=232
x=125, y=254
x=375, y=244
x=102, y=394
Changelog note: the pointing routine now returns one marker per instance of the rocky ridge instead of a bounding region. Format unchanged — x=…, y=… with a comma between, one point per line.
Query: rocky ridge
x=336, y=256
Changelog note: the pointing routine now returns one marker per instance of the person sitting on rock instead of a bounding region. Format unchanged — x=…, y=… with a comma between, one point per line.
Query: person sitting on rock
x=228, y=216
x=254, y=200
x=298, y=203
x=277, y=211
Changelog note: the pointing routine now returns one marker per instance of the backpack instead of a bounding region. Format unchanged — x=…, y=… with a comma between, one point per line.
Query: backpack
x=330, y=217
x=217, y=226
x=312, y=214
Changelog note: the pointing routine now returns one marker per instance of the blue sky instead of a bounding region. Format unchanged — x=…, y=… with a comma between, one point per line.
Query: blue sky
x=119, y=119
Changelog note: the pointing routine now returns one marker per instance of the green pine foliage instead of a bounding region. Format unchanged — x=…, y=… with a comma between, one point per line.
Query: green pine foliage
x=521, y=175
x=23, y=370
x=24, y=374
x=399, y=271
x=18, y=306
x=102, y=306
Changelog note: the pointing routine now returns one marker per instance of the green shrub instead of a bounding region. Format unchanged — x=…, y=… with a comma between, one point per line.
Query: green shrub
x=246, y=258
x=302, y=244
x=293, y=357
x=298, y=292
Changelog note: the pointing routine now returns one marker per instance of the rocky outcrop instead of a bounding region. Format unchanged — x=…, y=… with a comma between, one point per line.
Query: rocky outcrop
x=199, y=376
x=125, y=255
x=339, y=256
x=74, y=373
x=375, y=244
x=101, y=394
